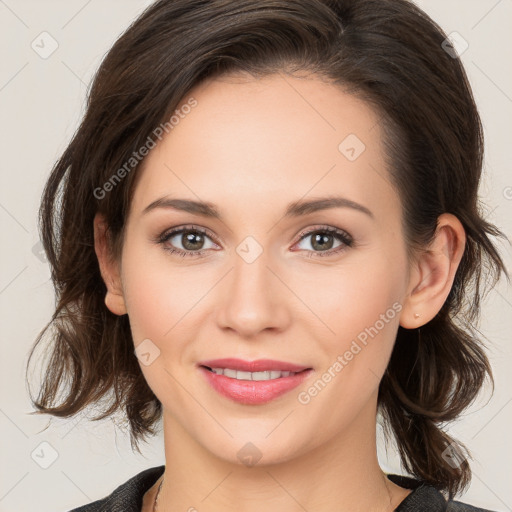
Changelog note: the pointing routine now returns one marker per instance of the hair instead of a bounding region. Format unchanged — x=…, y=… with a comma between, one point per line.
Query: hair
x=388, y=53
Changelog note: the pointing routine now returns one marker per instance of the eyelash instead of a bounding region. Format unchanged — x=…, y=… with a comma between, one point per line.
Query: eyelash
x=341, y=235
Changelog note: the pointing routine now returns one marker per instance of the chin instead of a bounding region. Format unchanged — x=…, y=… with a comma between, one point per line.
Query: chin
x=255, y=450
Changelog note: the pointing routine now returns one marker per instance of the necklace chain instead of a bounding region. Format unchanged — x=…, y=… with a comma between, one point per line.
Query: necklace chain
x=155, y=505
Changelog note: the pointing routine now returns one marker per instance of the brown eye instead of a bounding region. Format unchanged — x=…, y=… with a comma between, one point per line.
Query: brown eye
x=192, y=241
x=322, y=241
x=186, y=241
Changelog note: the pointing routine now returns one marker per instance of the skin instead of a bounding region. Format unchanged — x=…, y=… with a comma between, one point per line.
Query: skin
x=251, y=147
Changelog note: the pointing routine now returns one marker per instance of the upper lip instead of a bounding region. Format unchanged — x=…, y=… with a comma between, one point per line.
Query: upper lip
x=259, y=365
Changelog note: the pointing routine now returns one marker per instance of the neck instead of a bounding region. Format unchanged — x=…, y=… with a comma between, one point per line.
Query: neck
x=342, y=474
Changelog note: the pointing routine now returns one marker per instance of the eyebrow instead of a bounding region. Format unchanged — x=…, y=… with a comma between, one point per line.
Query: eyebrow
x=294, y=209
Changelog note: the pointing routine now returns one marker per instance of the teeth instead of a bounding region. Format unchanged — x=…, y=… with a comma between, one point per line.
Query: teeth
x=239, y=375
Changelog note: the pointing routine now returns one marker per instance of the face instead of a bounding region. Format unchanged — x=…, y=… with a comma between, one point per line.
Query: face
x=264, y=279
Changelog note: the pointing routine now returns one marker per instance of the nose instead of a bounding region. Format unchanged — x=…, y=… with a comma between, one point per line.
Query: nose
x=253, y=298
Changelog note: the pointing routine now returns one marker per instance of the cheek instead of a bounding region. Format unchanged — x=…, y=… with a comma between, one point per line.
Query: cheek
x=164, y=303
x=160, y=305
x=149, y=303
x=158, y=296
x=359, y=304
x=353, y=296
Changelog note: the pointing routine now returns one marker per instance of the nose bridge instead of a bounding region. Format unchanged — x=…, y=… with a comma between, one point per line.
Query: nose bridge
x=251, y=300
x=250, y=273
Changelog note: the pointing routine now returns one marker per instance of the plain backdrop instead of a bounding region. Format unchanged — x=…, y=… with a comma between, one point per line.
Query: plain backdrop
x=75, y=461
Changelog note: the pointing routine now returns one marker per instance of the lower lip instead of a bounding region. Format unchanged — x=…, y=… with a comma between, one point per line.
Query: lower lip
x=253, y=392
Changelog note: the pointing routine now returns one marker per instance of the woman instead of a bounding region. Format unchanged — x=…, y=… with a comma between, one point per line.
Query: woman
x=269, y=225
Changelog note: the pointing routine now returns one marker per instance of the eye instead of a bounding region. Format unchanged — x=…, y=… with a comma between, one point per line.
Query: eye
x=323, y=239
x=186, y=241
x=191, y=240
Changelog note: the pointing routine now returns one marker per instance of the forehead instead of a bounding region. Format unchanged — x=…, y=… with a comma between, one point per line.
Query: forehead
x=273, y=138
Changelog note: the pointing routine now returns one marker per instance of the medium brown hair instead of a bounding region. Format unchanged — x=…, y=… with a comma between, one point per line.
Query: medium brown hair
x=387, y=52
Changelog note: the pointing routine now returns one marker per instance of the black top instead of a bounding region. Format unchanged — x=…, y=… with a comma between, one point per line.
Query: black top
x=128, y=496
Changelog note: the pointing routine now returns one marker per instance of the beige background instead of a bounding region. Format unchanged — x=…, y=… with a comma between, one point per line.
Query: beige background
x=41, y=101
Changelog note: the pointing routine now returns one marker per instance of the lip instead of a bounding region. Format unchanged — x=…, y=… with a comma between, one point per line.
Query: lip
x=253, y=392
x=259, y=365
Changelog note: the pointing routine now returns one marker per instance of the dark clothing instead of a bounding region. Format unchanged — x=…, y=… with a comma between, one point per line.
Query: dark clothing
x=128, y=496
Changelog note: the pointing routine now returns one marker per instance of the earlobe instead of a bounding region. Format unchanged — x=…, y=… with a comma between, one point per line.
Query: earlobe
x=115, y=303
x=109, y=268
x=433, y=273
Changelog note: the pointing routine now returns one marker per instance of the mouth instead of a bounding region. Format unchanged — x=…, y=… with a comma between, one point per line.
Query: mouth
x=258, y=366
x=253, y=382
x=257, y=376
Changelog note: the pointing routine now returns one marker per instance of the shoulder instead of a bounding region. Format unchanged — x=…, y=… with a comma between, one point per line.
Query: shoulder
x=426, y=498
x=457, y=506
x=128, y=496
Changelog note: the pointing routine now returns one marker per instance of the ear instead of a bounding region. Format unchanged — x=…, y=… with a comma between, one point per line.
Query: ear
x=110, y=271
x=433, y=273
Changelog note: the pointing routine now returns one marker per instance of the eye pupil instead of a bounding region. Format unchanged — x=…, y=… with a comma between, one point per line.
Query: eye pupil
x=192, y=240
x=321, y=241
